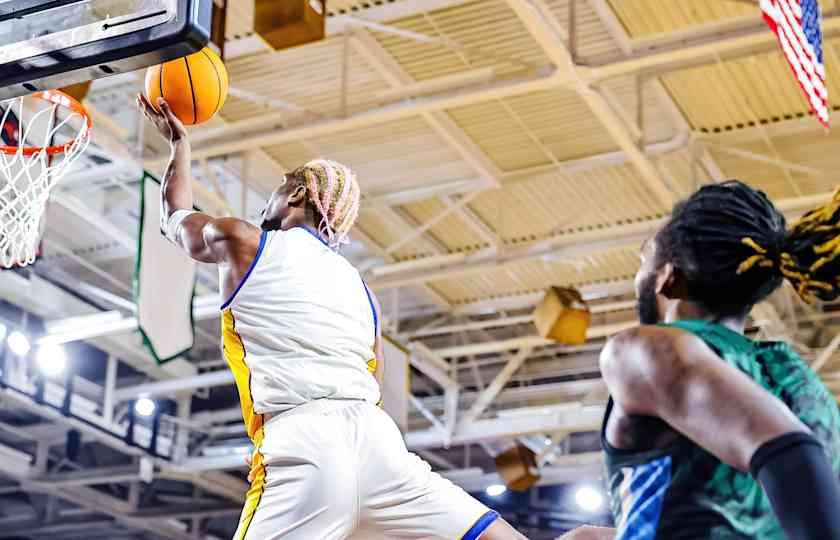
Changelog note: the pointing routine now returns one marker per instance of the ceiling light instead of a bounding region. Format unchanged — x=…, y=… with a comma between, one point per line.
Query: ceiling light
x=19, y=343
x=589, y=498
x=145, y=406
x=51, y=359
x=494, y=490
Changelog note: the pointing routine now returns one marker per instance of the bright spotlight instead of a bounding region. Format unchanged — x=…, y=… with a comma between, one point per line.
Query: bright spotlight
x=19, y=343
x=51, y=359
x=145, y=406
x=589, y=498
x=494, y=490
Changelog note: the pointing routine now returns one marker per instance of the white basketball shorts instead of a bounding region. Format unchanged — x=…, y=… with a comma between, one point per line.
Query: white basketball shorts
x=340, y=469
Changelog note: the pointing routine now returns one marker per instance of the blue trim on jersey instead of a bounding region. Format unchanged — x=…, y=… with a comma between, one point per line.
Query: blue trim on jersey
x=481, y=525
x=646, y=493
x=372, y=309
x=263, y=237
x=313, y=233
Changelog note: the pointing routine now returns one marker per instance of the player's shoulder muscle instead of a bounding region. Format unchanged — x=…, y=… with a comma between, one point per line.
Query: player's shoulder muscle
x=643, y=364
x=227, y=236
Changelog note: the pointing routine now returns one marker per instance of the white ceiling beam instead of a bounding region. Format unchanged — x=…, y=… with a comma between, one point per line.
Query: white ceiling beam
x=517, y=302
x=426, y=191
x=228, y=139
x=826, y=354
x=521, y=342
x=573, y=244
x=407, y=87
x=388, y=12
x=614, y=26
x=572, y=418
x=20, y=291
x=675, y=50
x=45, y=300
x=423, y=227
x=396, y=76
x=565, y=469
x=496, y=385
x=707, y=49
x=433, y=366
x=438, y=299
x=547, y=31
x=773, y=130
x=619, y=34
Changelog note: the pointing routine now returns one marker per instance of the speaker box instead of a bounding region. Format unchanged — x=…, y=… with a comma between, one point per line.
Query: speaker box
x=288, y=23
x=562, y=316
x=518, y=468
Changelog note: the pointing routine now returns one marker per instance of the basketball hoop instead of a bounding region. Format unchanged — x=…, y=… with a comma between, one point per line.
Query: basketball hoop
x=38, y=147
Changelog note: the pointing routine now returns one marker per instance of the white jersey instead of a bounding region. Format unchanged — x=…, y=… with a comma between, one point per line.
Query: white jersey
x=300, y=327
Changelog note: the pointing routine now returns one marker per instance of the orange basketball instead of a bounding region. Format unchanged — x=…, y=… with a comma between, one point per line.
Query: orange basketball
x=195, y=86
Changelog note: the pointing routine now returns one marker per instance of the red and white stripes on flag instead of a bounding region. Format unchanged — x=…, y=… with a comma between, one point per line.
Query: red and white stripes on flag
x=798, y=26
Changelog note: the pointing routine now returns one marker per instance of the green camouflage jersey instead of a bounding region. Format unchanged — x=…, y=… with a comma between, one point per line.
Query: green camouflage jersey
x=683, y=492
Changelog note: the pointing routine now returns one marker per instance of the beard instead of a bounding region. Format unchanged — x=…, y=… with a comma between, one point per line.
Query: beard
x=647, y=307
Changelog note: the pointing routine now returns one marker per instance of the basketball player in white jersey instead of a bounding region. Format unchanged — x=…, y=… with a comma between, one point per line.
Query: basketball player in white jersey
x=300, y=331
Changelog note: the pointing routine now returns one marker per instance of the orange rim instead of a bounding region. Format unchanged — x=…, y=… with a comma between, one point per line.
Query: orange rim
x=59, y=98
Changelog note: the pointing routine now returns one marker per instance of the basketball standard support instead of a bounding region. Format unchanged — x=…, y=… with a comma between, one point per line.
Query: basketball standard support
x=80, y=41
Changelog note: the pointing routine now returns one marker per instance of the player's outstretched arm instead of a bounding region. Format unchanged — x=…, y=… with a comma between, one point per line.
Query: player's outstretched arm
x=673, y=375
x=204, y=238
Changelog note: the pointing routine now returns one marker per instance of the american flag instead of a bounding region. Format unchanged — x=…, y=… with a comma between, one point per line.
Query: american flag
x=798, y=26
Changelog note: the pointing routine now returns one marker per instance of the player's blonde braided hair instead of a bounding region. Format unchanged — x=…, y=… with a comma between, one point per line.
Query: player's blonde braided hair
x=333, y=190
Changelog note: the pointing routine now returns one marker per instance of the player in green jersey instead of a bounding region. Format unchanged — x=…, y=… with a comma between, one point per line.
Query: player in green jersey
x=708, y=434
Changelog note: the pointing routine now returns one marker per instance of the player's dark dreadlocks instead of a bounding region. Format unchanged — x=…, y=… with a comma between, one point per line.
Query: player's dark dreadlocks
x=733, y=248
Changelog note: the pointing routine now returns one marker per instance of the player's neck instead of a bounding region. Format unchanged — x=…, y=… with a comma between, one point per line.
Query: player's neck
x=305, y=219
x=684, y=310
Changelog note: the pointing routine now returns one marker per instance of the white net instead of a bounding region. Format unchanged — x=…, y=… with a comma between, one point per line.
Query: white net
x=28, y=174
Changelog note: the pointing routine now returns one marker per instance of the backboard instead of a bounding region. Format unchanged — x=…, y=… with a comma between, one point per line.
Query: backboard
x=46, y=44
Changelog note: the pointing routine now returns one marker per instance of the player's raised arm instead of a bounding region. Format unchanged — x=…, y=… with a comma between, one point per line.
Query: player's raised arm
x=204, y=238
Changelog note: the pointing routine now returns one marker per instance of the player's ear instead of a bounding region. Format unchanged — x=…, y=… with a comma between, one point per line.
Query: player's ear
x=670, y=282
x=297, y=196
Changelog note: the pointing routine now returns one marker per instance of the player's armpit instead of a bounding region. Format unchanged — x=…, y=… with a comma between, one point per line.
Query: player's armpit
x=217, y=240
x=673, y=375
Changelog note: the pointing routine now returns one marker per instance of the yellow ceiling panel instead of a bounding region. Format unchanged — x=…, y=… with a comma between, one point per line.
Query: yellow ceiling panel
x=745, y=92
x=650, y=17
x=476, y=34
x=307, y=77
x=536, y=274
x=534, y=129
x=551, y=203
x=818, y=154
x=386, y=229
x=451, y=231
x=592, y=38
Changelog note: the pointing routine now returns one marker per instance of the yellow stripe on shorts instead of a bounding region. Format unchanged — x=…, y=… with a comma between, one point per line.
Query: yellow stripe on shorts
x=233, y=349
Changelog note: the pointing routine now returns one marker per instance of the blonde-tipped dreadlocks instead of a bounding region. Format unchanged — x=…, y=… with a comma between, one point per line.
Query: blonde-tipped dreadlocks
x=733, y=248
x=334, y=192
x=810, y=257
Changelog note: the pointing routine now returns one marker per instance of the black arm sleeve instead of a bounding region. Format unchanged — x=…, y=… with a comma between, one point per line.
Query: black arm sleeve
x=802, y=487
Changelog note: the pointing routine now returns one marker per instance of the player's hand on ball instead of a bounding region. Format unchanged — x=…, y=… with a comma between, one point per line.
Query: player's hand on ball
x=163, y=118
